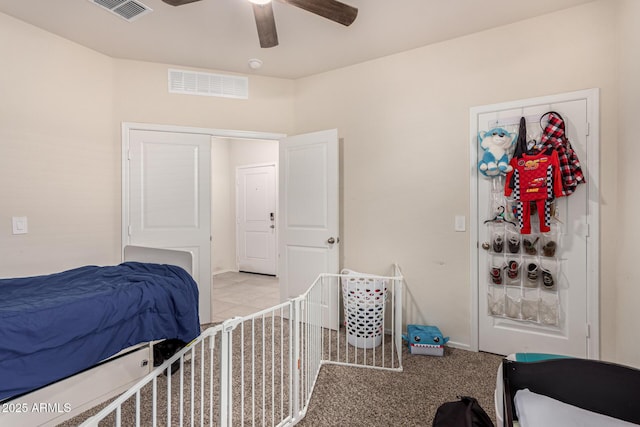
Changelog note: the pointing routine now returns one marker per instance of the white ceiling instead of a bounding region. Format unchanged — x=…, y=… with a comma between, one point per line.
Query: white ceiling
x=221, y=34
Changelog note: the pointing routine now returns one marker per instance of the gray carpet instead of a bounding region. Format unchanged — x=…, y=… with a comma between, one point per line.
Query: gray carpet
x=350, y=396
x=346, y=396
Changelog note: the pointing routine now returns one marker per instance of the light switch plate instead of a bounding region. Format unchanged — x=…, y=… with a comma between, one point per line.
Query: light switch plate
x=460, y=223
x=20, y=225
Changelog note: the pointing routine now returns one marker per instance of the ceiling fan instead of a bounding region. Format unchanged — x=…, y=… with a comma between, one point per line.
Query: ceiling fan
x=263, y=12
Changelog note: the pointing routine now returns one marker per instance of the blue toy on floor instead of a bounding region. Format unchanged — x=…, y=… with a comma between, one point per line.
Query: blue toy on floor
x=425, y=340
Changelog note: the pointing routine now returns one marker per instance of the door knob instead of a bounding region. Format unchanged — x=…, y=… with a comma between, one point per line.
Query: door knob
x=486, y=246
x=331, y=240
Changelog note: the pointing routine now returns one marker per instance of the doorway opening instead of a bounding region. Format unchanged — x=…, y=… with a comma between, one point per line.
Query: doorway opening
x=244, y=202
x=242, y=238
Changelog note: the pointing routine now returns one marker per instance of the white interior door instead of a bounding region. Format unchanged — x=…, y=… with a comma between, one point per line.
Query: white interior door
x=308, y=223
x=523, y=315
x=256, y=219
x=167, y=180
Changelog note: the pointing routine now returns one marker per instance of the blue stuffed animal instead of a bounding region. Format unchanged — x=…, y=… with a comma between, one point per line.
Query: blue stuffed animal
x=496, y=142
x=423, y=339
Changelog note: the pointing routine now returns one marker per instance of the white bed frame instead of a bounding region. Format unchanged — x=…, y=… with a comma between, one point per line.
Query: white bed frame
x=67, y=398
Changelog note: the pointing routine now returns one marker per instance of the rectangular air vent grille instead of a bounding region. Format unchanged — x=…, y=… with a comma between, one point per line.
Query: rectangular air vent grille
x=126, y=9
x=208, y=84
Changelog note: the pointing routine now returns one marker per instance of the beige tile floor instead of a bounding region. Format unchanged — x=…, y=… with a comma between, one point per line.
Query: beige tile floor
x=240, y=294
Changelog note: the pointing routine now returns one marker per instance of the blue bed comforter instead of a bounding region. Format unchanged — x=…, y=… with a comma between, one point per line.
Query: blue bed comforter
x=57, y=325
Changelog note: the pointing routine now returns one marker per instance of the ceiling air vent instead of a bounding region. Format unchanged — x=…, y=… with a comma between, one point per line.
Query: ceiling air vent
x=208, y=84
x=126, y=9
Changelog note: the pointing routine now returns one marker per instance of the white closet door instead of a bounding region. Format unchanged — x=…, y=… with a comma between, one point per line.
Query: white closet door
x=170, y=199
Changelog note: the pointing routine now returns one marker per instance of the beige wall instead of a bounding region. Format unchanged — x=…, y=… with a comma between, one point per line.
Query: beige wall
x=141, y=95
x=59, y=160
x=627, y=275
x=404, y=120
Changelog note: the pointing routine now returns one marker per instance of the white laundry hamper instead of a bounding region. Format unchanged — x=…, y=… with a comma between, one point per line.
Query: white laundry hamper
x=364, y=297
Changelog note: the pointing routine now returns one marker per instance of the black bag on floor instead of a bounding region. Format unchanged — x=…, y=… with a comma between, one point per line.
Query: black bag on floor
x=164, y=350
x=465, y=412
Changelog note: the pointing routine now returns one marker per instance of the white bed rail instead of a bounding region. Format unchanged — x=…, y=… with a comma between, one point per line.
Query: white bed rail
x=261, y=369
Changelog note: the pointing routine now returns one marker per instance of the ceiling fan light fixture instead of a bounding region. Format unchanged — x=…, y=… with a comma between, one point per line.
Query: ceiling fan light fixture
x=260, y=2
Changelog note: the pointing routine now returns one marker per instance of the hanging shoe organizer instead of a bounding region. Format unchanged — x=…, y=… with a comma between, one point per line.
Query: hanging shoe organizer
x=524, y=272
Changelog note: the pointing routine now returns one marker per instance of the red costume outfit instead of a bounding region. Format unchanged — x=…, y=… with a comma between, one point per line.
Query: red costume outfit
x=534, y=178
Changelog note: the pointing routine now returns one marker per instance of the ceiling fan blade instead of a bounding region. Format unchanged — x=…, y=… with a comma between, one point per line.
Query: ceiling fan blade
x=330, y=9
x=266, y=24
x=178, y=2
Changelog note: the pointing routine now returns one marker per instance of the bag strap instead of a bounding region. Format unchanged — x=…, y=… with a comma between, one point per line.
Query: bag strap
x=479, y=415
x=521, y=145
x=555, y=113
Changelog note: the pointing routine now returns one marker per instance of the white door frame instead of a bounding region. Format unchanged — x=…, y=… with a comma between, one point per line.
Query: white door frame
x=275, y=168
x=591, y=167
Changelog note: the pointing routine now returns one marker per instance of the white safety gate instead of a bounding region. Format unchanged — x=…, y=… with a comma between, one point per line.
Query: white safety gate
x=259, y=369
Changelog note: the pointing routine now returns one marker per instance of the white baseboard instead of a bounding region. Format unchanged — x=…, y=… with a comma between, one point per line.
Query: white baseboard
x=461, y=346
x=215, y=273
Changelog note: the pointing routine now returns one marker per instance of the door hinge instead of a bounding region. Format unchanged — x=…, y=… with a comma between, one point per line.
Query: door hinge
x=129, y=230
x=128, y=154
x=588, y=330
x=588, y=128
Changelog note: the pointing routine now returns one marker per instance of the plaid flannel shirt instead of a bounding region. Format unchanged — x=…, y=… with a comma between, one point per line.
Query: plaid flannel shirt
x=554, y=137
